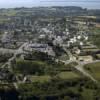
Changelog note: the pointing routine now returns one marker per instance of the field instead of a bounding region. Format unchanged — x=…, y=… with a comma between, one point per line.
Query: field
x=2, y=20
x=6, y=14
x=41, y=71
x=84, y=90
x=94, y=70
x=10, y=12
x=68, y=75
x=97, y=30
x=41, y=79
x=95, y=37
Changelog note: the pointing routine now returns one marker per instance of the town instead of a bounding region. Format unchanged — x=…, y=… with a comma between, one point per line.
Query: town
x=36, y=50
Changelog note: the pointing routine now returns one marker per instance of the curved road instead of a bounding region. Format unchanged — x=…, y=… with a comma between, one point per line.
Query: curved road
x=80, y=66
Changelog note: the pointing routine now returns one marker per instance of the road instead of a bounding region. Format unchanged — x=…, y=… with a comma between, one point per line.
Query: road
x=18, y=51
x=8, y=64
x=80, y=66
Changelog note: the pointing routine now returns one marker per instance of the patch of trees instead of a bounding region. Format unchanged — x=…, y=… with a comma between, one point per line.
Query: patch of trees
x=58, y=50
x=57, y=90
x=37, y=56
x=29, y=67
x=36, y=67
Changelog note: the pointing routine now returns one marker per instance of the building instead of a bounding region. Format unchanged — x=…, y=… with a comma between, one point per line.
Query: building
x=40, y=47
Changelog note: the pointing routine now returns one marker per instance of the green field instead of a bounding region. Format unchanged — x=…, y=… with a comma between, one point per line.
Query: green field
x=96, y=30
x=42, y=71
x=94, y=69
x=2, y=20
x=10, y=12
x=40, y=79
x=51, y=79
x=68, y=75
x=95, y=36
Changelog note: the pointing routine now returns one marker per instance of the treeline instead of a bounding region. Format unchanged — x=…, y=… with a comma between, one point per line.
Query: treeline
x=56, y=89
x=59, y=90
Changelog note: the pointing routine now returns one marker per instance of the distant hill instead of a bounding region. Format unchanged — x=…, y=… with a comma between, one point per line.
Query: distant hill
x=55, y=11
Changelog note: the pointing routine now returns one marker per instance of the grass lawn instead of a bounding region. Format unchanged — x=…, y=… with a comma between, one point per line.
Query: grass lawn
x=3, y=20
x=63, y=75
x=94, y=69
x=68, y=75
x=95, y=38
x=9, y=12
x=41, y=79
x=96, y=30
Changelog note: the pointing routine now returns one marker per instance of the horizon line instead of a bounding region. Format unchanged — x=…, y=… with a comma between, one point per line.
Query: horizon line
x=49, y=6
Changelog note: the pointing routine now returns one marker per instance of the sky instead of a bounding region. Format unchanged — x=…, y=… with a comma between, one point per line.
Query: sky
x=90, y=4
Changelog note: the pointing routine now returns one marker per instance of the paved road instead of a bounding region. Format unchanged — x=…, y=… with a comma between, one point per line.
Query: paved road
x=18, y=51
x=80, y=66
